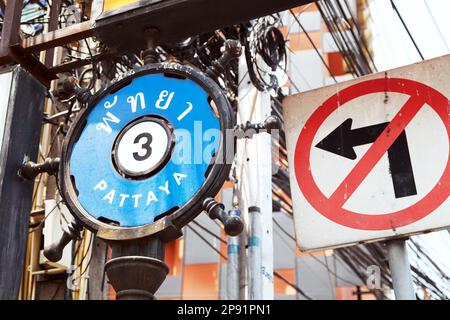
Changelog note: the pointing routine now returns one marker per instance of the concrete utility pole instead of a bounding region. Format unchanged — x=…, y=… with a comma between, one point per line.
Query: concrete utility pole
x=254, y=175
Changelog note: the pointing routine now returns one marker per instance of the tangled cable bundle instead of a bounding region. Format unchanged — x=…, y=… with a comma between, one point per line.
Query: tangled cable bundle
x=264, y=43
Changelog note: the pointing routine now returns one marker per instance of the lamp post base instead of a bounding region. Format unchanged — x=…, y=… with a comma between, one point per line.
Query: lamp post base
x=137, y=277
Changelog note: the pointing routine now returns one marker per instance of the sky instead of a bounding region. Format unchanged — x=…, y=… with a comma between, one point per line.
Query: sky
x=428, y=22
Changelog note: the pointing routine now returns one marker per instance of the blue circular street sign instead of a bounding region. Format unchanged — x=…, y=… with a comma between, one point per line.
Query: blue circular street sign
x=144, y=149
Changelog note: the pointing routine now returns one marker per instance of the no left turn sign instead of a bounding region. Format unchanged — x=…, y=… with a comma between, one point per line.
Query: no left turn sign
x=370, y=159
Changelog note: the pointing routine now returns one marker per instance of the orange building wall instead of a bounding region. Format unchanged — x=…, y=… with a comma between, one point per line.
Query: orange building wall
x=200, y=282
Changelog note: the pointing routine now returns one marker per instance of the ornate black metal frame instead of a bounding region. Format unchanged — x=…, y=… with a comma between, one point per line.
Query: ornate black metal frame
x=169, y=226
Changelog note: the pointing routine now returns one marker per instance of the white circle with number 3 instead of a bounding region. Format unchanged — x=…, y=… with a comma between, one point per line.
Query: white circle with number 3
x=142, y=148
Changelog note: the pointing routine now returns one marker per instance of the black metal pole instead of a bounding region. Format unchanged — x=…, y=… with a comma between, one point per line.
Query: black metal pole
x=137, y=270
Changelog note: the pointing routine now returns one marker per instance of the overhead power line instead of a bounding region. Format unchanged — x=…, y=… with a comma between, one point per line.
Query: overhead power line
x=275, y=273
x=407, y=29
x=436, y=25
x=313, y=45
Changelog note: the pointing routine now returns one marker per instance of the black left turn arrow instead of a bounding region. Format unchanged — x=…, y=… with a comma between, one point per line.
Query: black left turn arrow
x=343, y=139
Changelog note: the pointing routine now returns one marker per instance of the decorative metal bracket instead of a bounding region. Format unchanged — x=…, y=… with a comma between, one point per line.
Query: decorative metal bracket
x=248, y=130
x=233, y=224
x=70, y=84
x=231, y=50
x=29, y=170
x=54, y=251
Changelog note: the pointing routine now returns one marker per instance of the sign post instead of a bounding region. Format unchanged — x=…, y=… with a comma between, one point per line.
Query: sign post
x=400, y=270
x=369, y=161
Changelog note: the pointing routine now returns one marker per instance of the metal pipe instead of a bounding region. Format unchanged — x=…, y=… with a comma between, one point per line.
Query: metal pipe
x=400, y=270
x=254, y=254
x=233, y=263
x=151, y=36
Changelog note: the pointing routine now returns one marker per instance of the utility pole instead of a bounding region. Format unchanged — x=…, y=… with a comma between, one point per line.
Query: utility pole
x=254, y=172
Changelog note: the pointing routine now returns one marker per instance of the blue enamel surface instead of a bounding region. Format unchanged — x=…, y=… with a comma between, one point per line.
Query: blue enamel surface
x=91, y=163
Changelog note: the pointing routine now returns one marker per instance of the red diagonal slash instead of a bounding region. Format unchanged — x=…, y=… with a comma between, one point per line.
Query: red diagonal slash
x=362, y=169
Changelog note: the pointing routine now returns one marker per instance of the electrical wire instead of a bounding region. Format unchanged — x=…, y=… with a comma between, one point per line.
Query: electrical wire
x=57, y=290
x=360, y=36
x=37, y=226
x=441, y=35
x=263, y=41
x=275, y=273
x=313, y=45
x=311, y=255
x=406, y=29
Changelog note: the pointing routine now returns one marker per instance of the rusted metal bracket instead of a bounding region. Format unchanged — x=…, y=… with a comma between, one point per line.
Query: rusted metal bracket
x=58, y=37
x=30, y=63
x=11, y=49
x=175, y=20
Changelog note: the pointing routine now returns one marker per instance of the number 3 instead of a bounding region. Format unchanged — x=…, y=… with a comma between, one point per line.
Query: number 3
x=145, y=146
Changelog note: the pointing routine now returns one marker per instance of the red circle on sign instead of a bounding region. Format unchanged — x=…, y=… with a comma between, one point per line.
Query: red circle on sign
x=336, y=213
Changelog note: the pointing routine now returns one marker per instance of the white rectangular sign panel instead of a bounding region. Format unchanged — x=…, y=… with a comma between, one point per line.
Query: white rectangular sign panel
x=369, y=158
x=5, y=87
